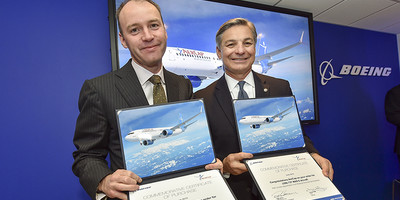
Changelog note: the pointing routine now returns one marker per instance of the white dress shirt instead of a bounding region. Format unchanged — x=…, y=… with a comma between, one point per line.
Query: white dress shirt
x=143, y=76
x=249, y=86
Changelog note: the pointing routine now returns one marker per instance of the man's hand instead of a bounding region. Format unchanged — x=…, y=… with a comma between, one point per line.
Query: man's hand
x=217, y=165
x=233, y=165
x=325, y=164
x=115, y=184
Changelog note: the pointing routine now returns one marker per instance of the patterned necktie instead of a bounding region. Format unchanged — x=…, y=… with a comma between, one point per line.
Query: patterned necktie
x=242, y=94
x=158, y=90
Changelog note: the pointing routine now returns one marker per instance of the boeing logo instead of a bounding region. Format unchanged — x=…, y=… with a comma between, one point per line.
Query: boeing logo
x=327, y=73
x=326, y=66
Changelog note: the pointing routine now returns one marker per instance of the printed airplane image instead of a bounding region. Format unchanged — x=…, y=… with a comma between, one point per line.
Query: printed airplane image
x=256, y=121
x=200, y=65
x=165, y=138
x=280, y=130
x=147, y=136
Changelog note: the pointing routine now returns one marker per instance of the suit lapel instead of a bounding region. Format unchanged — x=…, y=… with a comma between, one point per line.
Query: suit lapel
x=128, y=85
x=262, y=86
x=224, y=99
x=172, y=87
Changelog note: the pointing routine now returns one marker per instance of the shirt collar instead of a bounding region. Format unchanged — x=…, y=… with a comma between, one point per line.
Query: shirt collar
x=144, y=74
x=232, y=83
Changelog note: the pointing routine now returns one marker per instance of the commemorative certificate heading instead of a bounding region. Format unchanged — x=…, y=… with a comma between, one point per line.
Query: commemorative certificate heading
x=207, y=185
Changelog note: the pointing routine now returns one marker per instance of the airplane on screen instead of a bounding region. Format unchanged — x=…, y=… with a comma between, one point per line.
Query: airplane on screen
x=200, y=65
x=147, y=136
x=256, y=121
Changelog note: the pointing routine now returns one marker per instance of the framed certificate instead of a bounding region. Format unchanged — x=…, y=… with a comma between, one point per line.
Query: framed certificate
x=270, y=129
x=166, y=143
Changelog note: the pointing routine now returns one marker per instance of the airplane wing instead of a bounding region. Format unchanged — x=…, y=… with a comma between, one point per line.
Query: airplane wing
x=184, y=123
x=202, y=77
x=282, y=112
x=285, y=114
x=190, y=124
x=280, y=60
x=268, y=56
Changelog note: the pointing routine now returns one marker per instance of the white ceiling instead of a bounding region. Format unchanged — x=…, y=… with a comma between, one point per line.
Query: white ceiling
x=376, y=15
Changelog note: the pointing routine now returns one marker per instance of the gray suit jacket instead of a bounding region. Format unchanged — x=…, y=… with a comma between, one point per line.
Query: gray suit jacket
x=96, y=133
x=220, y=116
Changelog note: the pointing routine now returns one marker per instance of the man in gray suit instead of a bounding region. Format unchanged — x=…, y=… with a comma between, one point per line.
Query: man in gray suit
x=142, y=31
x=236, y=41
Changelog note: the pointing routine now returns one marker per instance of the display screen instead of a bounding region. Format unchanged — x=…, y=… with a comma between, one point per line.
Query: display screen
x=285, y=44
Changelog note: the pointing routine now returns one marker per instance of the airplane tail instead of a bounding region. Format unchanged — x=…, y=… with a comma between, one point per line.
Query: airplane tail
x=182, y=124
x=283, y=113
x=261, y=49
x=180, y=118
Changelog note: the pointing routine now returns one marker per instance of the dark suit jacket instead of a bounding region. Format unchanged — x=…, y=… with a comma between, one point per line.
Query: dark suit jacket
x=96, y=133
x=219, y=109
x=392, y=111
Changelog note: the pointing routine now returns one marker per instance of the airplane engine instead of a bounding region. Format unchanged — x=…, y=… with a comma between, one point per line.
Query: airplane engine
x=147, y=142
x=269, y=119
x=196, y=81
x=167, y=132
x=255, y=126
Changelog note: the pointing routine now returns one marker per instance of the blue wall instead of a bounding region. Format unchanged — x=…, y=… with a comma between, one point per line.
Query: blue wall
x=48, y=48
x=353, y=132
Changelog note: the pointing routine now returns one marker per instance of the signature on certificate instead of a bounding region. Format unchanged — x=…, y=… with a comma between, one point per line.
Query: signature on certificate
x=282, y=195
x=315, y=190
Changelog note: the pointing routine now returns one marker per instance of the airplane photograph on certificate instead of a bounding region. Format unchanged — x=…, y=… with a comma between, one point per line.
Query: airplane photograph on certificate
x=268, y=124
x=165, y=138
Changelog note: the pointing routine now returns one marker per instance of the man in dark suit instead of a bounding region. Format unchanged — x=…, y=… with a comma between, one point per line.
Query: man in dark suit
x=392, y=111
x=236, y=41
x=142, y=31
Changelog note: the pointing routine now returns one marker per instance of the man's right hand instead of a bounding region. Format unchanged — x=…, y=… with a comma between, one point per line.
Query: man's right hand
x=115, y=184
x=233, y=165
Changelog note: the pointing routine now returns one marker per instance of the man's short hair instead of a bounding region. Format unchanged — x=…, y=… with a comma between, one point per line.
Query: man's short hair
x=235, y=22
x=126, y=1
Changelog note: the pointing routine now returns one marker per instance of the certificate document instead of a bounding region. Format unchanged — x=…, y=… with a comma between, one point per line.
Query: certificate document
x=267, y=126
x=294, y=176
x=207, y=185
